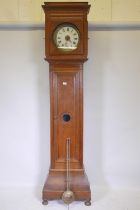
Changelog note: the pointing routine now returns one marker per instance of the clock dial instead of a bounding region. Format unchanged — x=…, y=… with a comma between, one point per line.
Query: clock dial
x=66, y=37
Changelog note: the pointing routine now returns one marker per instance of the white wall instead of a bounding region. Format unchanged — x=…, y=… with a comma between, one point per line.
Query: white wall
x=112, y=116
x=24, y=111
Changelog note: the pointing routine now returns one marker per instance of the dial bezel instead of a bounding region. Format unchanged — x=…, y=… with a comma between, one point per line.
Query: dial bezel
x=58, y=28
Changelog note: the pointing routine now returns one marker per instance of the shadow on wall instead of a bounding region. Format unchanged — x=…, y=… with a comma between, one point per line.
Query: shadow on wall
x=42, y=81
x=93, y=112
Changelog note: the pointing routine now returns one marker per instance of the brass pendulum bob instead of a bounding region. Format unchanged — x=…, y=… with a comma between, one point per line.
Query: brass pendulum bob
x=68, y=195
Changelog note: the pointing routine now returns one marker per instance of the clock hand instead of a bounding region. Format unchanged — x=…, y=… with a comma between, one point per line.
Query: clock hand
x=67, y=38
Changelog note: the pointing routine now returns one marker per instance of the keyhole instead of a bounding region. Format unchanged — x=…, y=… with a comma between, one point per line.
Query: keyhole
x=66, y=117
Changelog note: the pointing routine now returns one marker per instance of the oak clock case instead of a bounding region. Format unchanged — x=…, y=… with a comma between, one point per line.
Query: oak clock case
x=66, y=41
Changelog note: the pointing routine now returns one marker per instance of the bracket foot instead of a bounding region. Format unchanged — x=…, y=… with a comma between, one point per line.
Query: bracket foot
x=45, y=202
x=88, y=203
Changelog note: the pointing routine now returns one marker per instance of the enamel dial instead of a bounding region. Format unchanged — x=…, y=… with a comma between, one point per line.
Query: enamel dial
x=66, y=37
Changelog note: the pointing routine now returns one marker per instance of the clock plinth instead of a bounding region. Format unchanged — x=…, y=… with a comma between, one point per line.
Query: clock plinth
x=55, y=185
x=66, y=51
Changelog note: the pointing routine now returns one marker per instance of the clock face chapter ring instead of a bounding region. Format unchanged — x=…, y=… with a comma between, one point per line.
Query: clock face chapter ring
x=66, y=37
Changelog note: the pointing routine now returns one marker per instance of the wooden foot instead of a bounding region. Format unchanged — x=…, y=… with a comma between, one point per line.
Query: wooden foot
x=45, y=202
x=88, y=203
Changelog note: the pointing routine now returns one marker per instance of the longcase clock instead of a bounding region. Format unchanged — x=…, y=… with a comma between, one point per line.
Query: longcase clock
x=66, y=41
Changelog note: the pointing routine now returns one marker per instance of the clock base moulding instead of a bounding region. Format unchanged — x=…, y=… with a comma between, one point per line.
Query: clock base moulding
x=55, y=185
